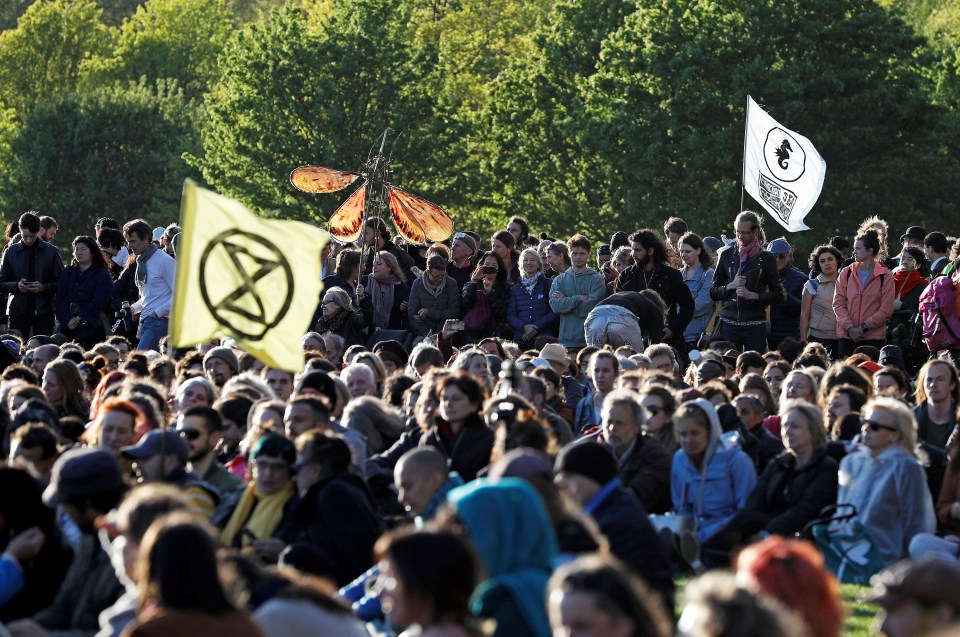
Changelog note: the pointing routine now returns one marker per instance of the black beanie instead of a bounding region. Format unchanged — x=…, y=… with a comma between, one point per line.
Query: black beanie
x=588, y=459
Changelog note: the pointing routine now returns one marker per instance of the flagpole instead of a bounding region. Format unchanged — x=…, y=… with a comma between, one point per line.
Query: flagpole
x=743, y=170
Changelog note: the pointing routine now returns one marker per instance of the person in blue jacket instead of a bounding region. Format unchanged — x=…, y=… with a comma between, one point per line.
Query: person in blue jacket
x=529, y=312
x=785, y=317
x=698, y=267
x=707, y=481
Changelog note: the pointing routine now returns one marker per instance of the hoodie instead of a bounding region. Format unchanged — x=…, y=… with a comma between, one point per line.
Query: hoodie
x=573, y=310
x=713, y=496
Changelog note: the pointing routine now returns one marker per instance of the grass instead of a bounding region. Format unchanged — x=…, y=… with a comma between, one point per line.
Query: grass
x=859, y=614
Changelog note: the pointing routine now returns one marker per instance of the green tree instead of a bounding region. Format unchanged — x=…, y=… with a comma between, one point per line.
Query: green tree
x=666, y=109
x=168, y=39
x=42, y=56
x=289, y=96
x=10, y=12
x=528, y=137
x=116, y=11
x=115, y=152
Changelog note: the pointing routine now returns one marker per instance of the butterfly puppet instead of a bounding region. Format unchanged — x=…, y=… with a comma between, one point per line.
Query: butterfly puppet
x=416, y=219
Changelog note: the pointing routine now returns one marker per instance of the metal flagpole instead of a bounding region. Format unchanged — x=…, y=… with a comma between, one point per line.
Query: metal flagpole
x=743, y=171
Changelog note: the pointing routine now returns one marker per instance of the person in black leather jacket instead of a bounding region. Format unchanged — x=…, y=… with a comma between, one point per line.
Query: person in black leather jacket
x=29, y=273
x=747, y=281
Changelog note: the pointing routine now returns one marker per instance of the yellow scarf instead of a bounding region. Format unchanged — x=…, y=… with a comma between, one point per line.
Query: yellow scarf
x=260, y=514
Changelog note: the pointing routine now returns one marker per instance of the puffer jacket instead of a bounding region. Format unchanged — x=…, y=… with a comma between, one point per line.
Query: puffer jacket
x=446, y=305
x=873, y=304
x=531, y=308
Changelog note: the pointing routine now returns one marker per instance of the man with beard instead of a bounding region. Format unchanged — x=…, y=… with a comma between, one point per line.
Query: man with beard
x=161, y=456
x=652, y=272
x=201, y=427
x=220, y=364
x=86, y=484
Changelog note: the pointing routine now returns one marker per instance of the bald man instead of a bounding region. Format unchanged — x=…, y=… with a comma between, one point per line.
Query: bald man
x=422, y=482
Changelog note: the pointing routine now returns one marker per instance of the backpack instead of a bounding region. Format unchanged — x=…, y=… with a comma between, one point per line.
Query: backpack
x=938, y=313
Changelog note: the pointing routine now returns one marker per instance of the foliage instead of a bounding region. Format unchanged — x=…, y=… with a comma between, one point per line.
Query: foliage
x=10, y=12
x=114, y=152
x=41, y=58
x=289, y=97
x=116, y=11
x=168, y=39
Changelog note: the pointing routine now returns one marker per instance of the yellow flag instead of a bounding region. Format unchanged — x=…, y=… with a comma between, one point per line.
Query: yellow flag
x=251, y=279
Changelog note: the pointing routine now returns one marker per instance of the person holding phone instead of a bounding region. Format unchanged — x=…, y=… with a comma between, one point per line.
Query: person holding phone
x=485, y=299
x=29, y=273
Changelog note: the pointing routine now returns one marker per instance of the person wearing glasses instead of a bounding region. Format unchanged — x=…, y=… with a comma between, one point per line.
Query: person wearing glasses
x=200, y=427
x=885, y=481
x=785, y=317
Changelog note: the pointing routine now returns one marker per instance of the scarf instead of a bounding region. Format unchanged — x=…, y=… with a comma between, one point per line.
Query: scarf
x=382, y=299
x=749, y=251
x=435, y=290
x=140, y=276
x=905, y=281
x=529, y=283
x=335, y=323
x=260, y=514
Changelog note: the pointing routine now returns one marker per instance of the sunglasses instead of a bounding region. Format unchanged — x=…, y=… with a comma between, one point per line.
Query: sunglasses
x=873, y=425
x=188, y=434
x=654, y=410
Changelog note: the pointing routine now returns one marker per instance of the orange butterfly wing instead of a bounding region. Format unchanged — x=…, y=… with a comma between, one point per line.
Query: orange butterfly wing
x=317, y=179
x=346, y=221
x=404, y=220
x=416, y=212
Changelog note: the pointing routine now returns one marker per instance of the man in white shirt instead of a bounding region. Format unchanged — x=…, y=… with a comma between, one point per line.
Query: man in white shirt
x=155, y=279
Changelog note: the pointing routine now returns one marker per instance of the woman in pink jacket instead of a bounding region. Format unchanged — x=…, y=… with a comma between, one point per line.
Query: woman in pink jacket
x=863, y=300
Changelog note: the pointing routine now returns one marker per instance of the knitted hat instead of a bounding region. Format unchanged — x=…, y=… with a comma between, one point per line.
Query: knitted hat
x=391, y=350
x=588, y=459
x=320, y=382
x=891, y=355
x=339, y=297
x=869, y=350
x=467, y=240
x=225, y=354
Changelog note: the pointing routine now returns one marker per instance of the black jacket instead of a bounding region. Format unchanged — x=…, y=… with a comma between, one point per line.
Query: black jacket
x=792, y=497
x=15, y=266
x=498, y=300
x=762, y=277
x=669, y=284
x=336, y=521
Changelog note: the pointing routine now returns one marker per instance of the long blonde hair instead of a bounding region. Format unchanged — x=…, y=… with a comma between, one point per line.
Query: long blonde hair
x=393, y=264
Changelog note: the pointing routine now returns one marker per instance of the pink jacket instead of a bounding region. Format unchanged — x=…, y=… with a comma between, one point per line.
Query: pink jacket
x=872, y=305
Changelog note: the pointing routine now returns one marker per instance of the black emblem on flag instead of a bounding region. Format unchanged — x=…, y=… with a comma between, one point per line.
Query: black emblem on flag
x=784, y=156
x=777, y=197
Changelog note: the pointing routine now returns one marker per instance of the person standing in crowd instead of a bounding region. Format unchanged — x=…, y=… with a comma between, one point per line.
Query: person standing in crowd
x=936, y=248
x=652, y=271
x=30, y=272
x=345, y=275
x=48, y=228
x=863, y=300
x=462, y=253
x=698, y=267
x=154, y=276
x=558, y=258
x=937, y=398
x=575, y=292
x=747, y=282
x=519, y=229
x=785, y=317
x=83, y=294
x=376, y=239
x=485, y=299
x=504, y=246
x=818, y=322
x=918, y=598
x=673, y=230
x=387, y=290
x=529, y=312
x=885, y=481
x=910, y=280
x=434, y=299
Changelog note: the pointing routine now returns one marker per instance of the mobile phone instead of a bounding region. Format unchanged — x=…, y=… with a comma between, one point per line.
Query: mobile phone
x=453, y=325
x=490, y=269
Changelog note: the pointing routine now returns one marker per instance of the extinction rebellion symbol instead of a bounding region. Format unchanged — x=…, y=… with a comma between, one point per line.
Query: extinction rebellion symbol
x=252, y=259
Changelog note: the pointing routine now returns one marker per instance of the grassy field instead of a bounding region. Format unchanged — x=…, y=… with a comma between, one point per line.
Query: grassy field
x=859, y=614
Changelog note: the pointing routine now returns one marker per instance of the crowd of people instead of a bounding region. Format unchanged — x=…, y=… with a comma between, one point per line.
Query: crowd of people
x=501, y=441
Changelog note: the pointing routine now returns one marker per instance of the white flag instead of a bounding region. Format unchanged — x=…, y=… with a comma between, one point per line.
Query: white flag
x=781, y=169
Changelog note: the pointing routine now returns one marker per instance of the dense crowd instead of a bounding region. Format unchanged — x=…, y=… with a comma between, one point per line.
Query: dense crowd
x=500, y=441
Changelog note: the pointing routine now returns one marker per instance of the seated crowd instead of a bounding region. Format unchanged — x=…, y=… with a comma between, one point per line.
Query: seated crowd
x=504, y=441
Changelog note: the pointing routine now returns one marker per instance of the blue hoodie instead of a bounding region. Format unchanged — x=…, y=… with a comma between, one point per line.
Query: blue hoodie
x=514, y=537
x=711, y=497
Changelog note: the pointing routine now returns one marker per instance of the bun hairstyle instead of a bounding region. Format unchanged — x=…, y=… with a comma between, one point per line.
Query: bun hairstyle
x=871, y=241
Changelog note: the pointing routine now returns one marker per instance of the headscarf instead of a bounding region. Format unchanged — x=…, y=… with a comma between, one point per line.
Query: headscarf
x=514, y=537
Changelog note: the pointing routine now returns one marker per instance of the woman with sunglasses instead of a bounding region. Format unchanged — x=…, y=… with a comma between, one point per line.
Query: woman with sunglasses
x=885, y=481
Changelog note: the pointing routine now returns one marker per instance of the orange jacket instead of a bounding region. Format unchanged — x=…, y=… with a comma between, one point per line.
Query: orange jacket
x=873, y=304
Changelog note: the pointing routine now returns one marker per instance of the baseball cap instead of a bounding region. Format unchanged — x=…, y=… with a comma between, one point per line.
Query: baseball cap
x=157, y=441
x=779, y=246
x=82, y=472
